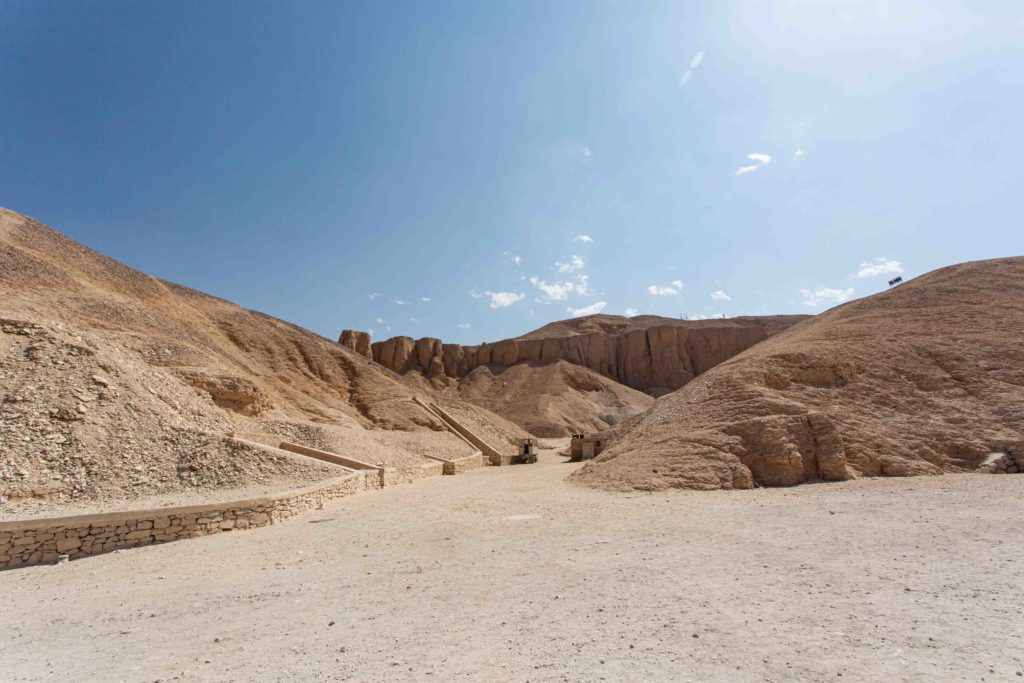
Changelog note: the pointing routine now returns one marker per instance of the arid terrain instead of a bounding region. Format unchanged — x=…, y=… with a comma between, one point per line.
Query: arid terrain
x=117, y=386
x=569, y=376
x=925, y=378
x=515, y=574
x=122, y=392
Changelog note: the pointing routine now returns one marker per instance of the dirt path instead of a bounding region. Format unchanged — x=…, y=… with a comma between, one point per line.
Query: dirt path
x=511, y=574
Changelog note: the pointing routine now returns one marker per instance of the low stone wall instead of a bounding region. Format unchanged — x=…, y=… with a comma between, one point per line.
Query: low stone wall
x=41, y=541
x=460, y=465
x=406, y=474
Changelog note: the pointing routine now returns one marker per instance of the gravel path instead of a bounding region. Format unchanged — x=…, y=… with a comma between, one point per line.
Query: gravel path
x=513, y=574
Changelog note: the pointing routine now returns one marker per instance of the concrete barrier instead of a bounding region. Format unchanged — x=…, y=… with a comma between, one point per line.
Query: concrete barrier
x=492, y=454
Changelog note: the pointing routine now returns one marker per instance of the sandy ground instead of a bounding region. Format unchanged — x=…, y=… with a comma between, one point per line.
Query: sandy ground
x=513, y=574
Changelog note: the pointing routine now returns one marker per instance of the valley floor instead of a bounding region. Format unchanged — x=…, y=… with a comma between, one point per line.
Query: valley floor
x=513, y=574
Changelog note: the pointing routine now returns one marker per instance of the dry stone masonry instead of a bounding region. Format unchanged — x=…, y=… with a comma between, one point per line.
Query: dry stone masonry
x=41, y=541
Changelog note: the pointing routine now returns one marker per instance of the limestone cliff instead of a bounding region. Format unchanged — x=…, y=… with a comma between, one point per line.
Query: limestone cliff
x=658, y=358
x=357, y=341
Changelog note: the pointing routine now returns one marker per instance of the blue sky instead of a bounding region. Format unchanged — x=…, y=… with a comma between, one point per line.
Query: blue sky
x=471, y=171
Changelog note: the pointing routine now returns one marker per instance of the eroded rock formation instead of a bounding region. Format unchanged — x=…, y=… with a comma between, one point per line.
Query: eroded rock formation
x=924, y=378
x=357, y=341
x=657, y=359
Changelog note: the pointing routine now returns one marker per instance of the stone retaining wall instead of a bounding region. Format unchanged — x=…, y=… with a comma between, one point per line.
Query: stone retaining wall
x=41, y=541
x=460, y=465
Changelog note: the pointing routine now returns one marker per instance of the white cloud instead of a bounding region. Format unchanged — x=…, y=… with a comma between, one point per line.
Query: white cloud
x=580, y=153
x=556, y=291
x=463, y=326
x=414, y=320
x=797, y=154
x=694, y=63
x=630, y=312
x=699, y=316
x=583, y=238
x=587, y=310
x=517, y=260
x=380, y=321
x=475, y=294
x=425, y=299
x=759, y=160
x=825, y=295
x=504, y=299
x=720, y=296
x=401, y=303
x=575, y=263
x=880, y=266
x=675, y=287
x=560, y=291
x=374, y=295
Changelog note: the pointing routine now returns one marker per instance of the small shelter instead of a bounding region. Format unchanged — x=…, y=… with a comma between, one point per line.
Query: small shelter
x=583, y=447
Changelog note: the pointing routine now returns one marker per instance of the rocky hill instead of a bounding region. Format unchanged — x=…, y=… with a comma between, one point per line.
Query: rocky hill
x=925, y=378
x=574, y=375
x=115, y=384
x=648, y=353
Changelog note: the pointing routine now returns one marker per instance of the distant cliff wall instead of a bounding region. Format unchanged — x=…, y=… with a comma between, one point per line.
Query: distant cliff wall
x=656, y=359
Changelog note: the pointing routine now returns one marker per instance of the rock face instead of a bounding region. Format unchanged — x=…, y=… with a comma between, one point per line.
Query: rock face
x=925, y=378
x=655, y=359
x=357, y=341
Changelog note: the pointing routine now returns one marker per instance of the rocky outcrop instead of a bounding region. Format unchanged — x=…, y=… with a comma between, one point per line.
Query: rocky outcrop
x=357, y=341
x=920, y=379
x=658, y=359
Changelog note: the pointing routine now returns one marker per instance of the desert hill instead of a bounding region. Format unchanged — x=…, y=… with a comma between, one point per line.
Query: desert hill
x=550, y=399
x=925, y=378
x=573, y=375
x=118, y=385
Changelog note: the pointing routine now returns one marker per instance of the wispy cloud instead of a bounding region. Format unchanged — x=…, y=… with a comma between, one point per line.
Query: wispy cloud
x=759, y=160
x=379, y=321
x=587, y=310
x=583, y=238
x=797, y=154
x=504, y=299
x=463, y=326
x=517, y=260
x=554, y=291
x=694, y=63
x=674, y=287
x=414, y=320
x=719, y=295
x=401, y=303
x=880, y=266
x=575, y=263
x=475, y=294
x=580, y=153
x=375, y=295
x=630, y=312
x=425, y=299
x=825, y=295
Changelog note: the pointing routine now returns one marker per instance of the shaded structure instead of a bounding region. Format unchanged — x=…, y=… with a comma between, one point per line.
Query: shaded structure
x=583, y=447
